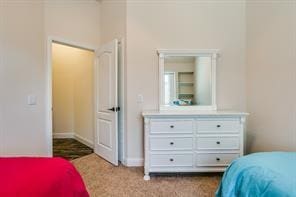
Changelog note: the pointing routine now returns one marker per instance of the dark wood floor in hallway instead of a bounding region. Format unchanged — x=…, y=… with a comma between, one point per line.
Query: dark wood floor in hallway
x=70, y=149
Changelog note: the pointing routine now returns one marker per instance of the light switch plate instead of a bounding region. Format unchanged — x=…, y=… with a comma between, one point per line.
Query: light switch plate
x=140, y=98
x=32, y=100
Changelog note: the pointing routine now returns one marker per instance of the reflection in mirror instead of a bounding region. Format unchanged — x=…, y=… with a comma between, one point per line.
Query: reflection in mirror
x=187, y=80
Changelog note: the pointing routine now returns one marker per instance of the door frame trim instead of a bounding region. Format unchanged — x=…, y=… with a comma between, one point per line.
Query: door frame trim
x=122, y=145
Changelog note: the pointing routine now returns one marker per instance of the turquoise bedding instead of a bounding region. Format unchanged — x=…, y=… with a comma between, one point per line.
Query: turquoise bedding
x=270, y=174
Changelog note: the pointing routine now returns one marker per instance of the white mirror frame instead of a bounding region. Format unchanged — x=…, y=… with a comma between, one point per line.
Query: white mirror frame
x=162, y=53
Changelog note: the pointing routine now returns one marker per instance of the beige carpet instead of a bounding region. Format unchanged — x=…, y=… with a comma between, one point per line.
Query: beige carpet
x=103, y=179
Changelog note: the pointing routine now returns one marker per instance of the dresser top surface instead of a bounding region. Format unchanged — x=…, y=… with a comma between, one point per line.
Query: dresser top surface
x=194, y=113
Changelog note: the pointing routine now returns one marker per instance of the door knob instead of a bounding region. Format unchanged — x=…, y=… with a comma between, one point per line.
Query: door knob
x=117, y=109
x=112, y=109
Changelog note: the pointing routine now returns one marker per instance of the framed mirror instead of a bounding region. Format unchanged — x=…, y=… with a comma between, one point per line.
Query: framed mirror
x=187, y=79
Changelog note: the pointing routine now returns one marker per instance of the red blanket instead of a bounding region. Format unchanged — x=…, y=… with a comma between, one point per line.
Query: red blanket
x=40, y=177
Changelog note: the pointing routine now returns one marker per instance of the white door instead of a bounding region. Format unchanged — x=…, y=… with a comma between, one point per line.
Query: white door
x=106, y=115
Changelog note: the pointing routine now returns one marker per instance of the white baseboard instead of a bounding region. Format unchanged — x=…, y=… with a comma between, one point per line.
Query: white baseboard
x=84, y=140
x=63, y=135
x=134, y=162
x=74, y=136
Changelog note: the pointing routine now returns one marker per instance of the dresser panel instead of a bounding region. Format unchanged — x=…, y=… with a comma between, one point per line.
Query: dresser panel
x=171, y=126
x=171, y=160
x=170, y=143
x=217, y=143
x=218, y=126
x=215, y=159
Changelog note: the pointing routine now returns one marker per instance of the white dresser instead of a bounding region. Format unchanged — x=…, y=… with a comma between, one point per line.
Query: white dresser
x=205, y=141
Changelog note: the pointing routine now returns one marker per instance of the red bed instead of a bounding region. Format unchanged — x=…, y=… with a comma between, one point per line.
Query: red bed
x=46, y=177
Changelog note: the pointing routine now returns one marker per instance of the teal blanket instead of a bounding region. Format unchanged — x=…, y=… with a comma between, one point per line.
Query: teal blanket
x=270, y=174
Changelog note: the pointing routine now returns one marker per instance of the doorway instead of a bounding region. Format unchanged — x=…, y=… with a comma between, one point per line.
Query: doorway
x=80, y=123
x=72, y=100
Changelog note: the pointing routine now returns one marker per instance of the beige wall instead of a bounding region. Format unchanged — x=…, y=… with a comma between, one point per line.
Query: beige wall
x=146, y=27
x=74, y=20
x=65, y=61
x=24, y=29
x=84, y=97
x=73, y=91
x=22, y=73
x=113, y=20
x=192, y=24
x=271, y=75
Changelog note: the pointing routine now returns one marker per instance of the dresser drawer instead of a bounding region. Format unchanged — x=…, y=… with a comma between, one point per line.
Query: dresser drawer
x=215, y=159
x=171, y=160
x=221, y=143
x=171, y=126
x=218, y=126
x=171, y=143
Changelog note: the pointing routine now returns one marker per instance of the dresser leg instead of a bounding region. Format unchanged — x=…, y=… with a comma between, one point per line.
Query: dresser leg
x=147, y=177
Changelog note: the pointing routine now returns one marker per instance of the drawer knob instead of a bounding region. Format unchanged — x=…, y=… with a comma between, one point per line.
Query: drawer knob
x=172, y=126
x=217, y=159
x=218, y=126
x=217, y=142
x=171, y=143
x=171, y=159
